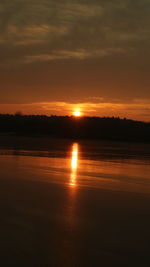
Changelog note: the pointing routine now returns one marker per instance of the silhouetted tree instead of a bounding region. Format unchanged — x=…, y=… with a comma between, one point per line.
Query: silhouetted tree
x=70, y=127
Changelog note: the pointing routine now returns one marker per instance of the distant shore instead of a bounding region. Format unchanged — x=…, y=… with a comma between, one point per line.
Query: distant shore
x=84, y=128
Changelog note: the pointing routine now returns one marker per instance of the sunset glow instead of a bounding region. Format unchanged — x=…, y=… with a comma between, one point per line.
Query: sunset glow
x=52, y=63
x=77, y=113
x=75, y=132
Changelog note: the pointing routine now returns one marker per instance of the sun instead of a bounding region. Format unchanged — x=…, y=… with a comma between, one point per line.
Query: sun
x=77, y=113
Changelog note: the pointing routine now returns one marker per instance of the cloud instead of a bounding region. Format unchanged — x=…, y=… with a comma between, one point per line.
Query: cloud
x=72, y=54
x=97, y=28
x=137, y=110
x=70, y=49
x=35, y=33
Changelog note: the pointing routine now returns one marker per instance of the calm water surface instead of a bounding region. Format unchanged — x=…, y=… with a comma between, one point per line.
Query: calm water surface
x=75, y=204
x=80, y=165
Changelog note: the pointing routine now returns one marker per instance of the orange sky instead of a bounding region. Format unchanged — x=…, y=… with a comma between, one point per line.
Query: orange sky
x=132, y=111
x=56, y=56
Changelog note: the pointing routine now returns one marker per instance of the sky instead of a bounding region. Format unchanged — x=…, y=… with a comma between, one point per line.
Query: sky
x=56, y=56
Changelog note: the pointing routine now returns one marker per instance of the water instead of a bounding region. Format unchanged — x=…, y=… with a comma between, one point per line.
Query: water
x=110, y=166
x=66, y=203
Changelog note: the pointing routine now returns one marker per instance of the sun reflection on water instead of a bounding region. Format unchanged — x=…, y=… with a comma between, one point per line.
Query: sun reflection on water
x=74, y=164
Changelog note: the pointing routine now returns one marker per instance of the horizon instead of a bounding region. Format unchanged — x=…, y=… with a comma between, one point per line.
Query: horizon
x=75, y=133
x=57, y=57
x=20, y=114
x=29, y=109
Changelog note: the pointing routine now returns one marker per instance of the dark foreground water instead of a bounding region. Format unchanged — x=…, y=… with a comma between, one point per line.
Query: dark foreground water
x=65, y=203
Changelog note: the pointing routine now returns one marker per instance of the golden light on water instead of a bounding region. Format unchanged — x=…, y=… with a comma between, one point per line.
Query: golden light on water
x=74, y=164
x=74, y=156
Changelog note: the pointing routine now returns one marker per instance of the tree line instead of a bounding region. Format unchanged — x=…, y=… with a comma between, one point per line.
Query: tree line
x=80, y=128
